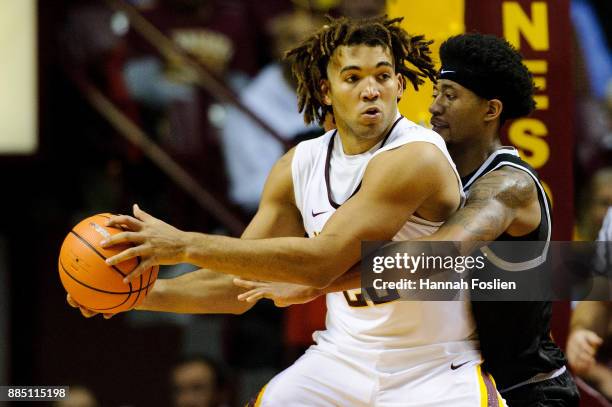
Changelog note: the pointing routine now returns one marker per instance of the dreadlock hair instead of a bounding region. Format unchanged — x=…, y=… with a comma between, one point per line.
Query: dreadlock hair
x=309, y=59
x=493, y=69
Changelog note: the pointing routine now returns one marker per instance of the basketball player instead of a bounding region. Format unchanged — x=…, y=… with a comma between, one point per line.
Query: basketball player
x=481, y=84
x=377, y=177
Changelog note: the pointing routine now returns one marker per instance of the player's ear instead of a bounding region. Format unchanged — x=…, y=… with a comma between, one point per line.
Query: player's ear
x=401, y=85
x=324, y=86
x=494, y=109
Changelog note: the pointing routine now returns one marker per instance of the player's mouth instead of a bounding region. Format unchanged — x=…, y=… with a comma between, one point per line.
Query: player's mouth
x=372, y=113
x=438, y=124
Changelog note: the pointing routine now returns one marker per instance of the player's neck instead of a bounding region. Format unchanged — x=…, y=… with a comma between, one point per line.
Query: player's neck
x=470, y=155
x=354, y=143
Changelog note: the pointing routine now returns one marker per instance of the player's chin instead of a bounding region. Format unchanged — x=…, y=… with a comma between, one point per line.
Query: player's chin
x=371, y=120
x=444, y=132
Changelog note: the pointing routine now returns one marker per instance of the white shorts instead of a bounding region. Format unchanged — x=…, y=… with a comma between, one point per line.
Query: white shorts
x=321, y=378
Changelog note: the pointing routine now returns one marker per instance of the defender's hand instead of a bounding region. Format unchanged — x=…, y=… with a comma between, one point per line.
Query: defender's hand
x=283, y=294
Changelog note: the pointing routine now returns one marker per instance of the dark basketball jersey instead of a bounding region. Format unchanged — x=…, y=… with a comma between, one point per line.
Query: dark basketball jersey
x=515, y=335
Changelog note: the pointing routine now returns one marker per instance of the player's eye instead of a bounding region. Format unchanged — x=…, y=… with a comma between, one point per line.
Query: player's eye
x=351, y=78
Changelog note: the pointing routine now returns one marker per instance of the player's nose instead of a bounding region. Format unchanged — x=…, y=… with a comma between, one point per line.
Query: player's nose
x=435, y=108
x=371, y=90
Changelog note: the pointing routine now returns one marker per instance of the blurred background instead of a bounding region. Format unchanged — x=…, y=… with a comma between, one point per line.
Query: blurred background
x=183, y=106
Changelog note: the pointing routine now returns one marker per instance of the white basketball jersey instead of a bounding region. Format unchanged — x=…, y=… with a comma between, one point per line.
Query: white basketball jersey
x=323, y=178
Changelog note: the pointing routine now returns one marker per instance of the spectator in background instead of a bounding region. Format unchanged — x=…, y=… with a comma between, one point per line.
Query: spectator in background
x=198, y=381
x=173, y=100
x=594, y=202
x=589, y=346
x=249, y=150
x=594, y=82
x=209, y=31
x=80, y=396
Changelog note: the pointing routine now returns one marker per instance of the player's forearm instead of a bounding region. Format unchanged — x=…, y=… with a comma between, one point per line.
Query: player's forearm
x=598, y=375
x=198, y=292
x=591, y=315
x=313, y=262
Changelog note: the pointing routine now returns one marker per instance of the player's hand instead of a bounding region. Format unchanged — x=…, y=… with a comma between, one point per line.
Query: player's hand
x=86, y=312
x=283, y=294
x=582, y=346
x=153, y=240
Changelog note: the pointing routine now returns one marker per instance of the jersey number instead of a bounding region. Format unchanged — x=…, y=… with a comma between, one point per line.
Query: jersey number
x=355, y=298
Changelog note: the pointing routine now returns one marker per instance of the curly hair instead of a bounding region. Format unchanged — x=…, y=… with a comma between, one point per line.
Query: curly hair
x=497, y=67
x=411, y=55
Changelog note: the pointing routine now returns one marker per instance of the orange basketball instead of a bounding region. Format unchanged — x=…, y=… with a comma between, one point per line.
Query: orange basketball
x=89, y=280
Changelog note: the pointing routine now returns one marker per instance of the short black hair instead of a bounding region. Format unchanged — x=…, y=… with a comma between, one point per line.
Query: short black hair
x=411, y=56
x=497, y=67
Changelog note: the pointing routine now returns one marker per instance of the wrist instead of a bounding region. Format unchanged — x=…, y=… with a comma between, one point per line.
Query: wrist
x=188, y=246
x=599, y=375
x=153, y=299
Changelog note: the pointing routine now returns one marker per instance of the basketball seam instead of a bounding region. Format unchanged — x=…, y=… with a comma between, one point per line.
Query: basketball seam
x=138, y=295
x=90, y=287
x=82, y=239
x=99, y=289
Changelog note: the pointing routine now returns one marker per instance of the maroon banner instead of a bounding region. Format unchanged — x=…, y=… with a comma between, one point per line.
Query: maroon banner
x=541, y=31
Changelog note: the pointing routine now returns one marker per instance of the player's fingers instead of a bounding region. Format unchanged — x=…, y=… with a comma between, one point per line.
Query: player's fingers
x=126, y=220
x=593, y=339
x=144, y=265
x=128, y=254
x=255, y=297
x=71, y=301
x=140, y=214
x=84, y=311
x=108, y=316
x=246, y=294
x=586, y=348
x=87, y=313
x=123, y=237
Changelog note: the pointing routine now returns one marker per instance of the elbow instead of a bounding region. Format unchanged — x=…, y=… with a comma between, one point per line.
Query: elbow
x=240, y=308
x=239, y=311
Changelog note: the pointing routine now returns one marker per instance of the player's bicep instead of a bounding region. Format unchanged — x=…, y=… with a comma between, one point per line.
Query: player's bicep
x=481, y=220
x=277, y=215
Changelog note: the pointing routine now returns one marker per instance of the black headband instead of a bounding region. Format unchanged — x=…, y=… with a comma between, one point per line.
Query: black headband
x=480, y=84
